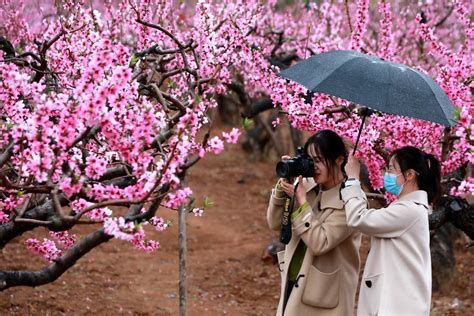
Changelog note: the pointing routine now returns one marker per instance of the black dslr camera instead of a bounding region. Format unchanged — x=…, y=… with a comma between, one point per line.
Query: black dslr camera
x=301, y=165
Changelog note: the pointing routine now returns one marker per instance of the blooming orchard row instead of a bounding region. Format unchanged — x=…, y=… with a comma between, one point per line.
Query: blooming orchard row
x=103, y=102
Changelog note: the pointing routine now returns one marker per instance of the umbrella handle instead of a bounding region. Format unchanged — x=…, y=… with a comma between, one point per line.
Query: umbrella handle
x=360, y=130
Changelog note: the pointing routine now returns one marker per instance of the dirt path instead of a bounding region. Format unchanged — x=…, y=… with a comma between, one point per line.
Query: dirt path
x=225, y=273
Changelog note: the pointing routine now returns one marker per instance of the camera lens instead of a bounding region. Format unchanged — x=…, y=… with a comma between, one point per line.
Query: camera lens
x=294, y=167
x=282, y=169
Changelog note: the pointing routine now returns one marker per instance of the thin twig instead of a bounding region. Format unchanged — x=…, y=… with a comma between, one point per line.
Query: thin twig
x=48, y=44
x=56, y=204
x=170, y=35
x=440, y=22
x=24, y=208
x=31, y=54
x=446, y=143
x=348, y=16
x=26, y=189
x=32, y=221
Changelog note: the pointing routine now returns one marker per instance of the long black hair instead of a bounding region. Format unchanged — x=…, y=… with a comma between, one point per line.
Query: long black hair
x=426, y=166
x=330, y=146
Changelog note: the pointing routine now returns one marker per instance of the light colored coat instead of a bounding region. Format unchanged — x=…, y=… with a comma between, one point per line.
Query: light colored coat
x=327, y=280
x=397, y=275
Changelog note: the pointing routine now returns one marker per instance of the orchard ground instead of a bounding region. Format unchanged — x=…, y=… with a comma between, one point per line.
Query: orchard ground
x=225, y=272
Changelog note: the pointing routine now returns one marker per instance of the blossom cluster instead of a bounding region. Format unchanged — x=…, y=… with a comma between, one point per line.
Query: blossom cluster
x=131, y=232
x=47, y=248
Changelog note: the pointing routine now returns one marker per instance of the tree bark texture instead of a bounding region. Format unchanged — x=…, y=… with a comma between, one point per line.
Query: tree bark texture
x=182, y=261
x=57, y=268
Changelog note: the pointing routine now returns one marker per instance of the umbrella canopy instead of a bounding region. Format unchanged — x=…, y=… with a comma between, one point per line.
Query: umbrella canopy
x=376, y=83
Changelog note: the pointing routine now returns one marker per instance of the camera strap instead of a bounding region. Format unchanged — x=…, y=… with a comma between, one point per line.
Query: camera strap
x=285, y=232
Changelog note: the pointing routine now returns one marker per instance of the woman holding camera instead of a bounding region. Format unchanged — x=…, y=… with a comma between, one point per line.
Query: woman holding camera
x=320, y=264
x=397, y=275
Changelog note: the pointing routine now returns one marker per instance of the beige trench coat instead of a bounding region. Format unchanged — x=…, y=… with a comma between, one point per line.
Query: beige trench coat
x=397, y=274
x=327, y=280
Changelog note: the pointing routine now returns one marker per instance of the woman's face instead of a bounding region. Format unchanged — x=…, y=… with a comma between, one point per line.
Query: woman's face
x=394, y=168
x=322, y=174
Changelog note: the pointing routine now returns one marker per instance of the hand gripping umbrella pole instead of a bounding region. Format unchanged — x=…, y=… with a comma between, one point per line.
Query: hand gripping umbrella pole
x=365, y=112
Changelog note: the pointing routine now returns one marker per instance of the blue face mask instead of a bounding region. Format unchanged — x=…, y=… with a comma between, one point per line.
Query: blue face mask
x=390, y=183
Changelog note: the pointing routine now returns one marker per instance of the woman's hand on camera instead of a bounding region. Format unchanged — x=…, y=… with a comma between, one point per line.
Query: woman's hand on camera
x=287, y=187
x=300, y=192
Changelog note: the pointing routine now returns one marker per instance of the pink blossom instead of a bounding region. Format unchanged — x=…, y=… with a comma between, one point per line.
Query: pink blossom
x=360, y=26
x=215, y=145
x=198, y=212
x=64, y=238
x=159, y=223
x=147, y=245
x=96, y=167
x=118, y=228
x=80, y=204
x=69, y=188
x=465, y=189
x=99, y=214
x=276, y=122
x=175, y=200
x=3, y=217
x=232, y=137
x=47, y=248
x=11, y=202
x=135, y=234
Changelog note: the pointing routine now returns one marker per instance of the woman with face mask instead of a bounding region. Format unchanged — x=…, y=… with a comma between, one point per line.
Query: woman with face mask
x=397, y=274
x=320, y=264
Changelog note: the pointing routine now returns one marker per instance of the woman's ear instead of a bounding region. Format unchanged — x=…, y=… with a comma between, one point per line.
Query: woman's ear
x=339, y=160
x=410, y=175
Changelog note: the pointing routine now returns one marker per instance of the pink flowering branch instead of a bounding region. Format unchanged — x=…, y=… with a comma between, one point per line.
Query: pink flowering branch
x=4, y=181
x=57, y=268
x=65, y=261
x=182, y=47
x=128, y=202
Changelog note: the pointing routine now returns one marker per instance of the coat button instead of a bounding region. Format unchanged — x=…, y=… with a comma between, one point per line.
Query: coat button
x=368, y=283
x=306, y=224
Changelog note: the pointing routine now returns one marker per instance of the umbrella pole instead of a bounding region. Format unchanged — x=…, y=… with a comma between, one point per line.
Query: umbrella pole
x=360, y=131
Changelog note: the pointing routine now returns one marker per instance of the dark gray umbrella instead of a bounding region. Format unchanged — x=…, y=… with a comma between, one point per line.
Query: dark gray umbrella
x=376, y=83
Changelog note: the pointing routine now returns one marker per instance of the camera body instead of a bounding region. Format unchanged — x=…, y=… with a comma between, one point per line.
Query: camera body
x=300, y=165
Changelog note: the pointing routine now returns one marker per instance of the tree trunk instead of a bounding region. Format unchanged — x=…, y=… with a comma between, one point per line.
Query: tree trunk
x=443, y=263
x=182, y=260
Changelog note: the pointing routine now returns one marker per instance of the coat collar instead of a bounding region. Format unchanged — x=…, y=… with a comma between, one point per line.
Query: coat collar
x=331, y=198
x=327, y=199
x=419, y=196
